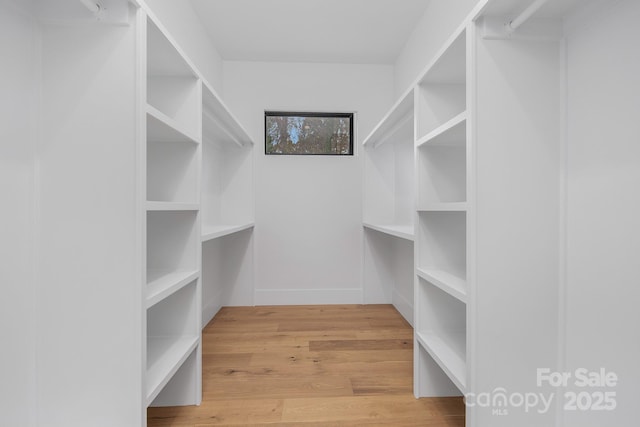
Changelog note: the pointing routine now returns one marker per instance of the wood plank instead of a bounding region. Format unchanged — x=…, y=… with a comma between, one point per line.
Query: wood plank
x=324, y=325
x=435, y=422
x=269, y=386
x=360, y=345
x=345, y=365
x=218, y=412
x=372, y=408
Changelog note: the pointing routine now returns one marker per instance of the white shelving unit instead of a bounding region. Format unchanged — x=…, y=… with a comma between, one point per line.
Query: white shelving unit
x=491, y=173
x=389, y=208
x=441, y=289
x=443, y=212
x=199, y=182
x=173, y=149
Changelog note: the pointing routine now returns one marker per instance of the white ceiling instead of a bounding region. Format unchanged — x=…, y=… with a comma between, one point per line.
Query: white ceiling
x=342, y=31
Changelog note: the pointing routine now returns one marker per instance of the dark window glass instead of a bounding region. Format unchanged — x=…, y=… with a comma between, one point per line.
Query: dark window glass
x=308, y=133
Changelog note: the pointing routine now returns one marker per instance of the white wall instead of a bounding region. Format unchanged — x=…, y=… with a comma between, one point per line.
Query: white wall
x=18, y=50
x=441, y=18
x=187, y=30
x=308, y=234
x=603, y=211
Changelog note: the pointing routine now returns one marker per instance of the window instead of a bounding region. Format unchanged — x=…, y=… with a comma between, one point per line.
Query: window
x=308, y=133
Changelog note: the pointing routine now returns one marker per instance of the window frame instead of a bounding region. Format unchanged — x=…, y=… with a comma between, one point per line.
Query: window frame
x=350, y=116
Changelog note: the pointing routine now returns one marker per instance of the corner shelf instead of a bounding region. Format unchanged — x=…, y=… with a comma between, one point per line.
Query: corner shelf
x=215, y=232
x=447, y=282
x=165, y=356
x=447, y=350
x=401, y=231
x=162, y=283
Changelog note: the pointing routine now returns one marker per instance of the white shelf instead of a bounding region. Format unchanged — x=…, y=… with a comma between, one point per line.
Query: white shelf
x=162, y=128
x=400, y=115
x=452, y=133
x=215, y=231
x=171, y=206
x=448, y=351
x=162, y=283
x=165, y=355
x=401, y=231
x=449, y=283
x=218, y=123
x=444, y=207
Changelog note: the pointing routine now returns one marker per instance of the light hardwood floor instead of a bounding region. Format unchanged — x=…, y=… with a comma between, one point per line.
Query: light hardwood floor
x=330, y=365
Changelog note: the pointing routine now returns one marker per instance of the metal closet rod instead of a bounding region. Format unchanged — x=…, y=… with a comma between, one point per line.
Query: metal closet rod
x=526, y=14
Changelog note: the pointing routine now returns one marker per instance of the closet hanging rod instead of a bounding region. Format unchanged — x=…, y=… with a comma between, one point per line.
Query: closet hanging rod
x=526, y=14
x=92, y=6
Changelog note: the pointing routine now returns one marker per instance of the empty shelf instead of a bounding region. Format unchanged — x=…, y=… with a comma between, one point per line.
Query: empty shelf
x=448, y=351
x=161, y=284
x=449, y=283
x=401, y=231
x=165, y=355
x=211, y=232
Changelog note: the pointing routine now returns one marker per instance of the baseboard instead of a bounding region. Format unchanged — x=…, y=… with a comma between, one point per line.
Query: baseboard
x=404, y=306
x=307, y=296
x=209, y=312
